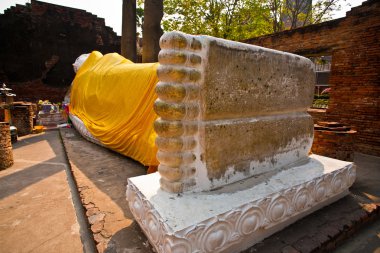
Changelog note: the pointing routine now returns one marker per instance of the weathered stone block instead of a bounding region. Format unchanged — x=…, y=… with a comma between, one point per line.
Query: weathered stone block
x=244, y=81
x=234, y=137
x=246, y=147
x=229, y=111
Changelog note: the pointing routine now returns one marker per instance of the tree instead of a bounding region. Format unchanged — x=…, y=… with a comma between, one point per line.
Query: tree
x=322, y=10
x=128, y=36
x=243, y=19
x=276, y=14
x=229, y=19
x=153, y=13
x=140, y=16
x=297, y=13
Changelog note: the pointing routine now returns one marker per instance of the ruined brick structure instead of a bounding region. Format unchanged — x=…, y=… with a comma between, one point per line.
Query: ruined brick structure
x=317, y=114
x=40, y=41
x=22, y=118
x=6, y=153
x=334, y=140
x=353, y=43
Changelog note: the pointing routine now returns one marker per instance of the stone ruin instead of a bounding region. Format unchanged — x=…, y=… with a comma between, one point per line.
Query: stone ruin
x=234, y=139
x=6, y=152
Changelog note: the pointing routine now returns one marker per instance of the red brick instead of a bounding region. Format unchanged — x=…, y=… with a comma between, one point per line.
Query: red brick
x=355, y=70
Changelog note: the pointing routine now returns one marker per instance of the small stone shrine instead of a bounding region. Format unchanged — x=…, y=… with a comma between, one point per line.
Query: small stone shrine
x=233, y=139
x=335, y=140
x=6, y=113
x=6, y=102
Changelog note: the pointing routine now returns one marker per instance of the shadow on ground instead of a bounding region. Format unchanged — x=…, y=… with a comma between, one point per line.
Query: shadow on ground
x=367, y=184
x=39, y=165
x=36, y=208
x=19, y=180
x=135, y=237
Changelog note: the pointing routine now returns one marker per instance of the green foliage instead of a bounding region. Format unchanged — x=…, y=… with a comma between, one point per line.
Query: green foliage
x=229, y=19
x=243, y=19
x=139, y=15
x=322, y=10
x=320, y=103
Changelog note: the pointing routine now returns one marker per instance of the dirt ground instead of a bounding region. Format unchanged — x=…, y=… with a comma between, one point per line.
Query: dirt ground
x=101, y=176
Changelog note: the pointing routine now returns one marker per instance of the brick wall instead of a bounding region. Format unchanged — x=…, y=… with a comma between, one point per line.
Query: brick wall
x=354, y=43
x=317, y=114
x=39, y=42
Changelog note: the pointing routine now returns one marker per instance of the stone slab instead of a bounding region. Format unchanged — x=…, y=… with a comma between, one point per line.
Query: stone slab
x=239, y=215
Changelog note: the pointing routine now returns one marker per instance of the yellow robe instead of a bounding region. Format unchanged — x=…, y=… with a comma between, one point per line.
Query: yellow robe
x=114, y=98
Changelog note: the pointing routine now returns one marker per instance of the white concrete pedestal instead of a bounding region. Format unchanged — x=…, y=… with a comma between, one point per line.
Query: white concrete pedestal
x=237, y=216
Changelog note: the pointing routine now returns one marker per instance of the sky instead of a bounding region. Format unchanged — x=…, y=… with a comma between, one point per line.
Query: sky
x=111, y=11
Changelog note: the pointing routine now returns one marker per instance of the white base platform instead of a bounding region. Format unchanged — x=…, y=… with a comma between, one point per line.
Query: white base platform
x=237, y=216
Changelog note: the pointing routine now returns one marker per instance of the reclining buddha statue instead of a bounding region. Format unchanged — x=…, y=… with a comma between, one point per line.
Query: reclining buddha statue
x=111, y=104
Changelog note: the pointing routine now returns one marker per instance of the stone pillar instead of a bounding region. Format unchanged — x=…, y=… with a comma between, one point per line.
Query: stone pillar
x=218, y=97
x=22, y=118
x=6, y=154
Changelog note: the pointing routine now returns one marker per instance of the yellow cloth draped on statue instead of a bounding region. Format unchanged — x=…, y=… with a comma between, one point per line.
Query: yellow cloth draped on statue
x=114, y=98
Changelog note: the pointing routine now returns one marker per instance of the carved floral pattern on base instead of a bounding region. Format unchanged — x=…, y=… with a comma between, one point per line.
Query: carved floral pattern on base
x=225, y=230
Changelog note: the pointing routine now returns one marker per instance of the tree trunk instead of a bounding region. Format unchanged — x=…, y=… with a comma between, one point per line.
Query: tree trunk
x=153, y=12
x=128, y=34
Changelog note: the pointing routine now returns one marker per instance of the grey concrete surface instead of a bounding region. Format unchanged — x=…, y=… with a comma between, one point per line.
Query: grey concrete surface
x=36, y=209
x=367, y=185
x=367, y=182
x=366, y=240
